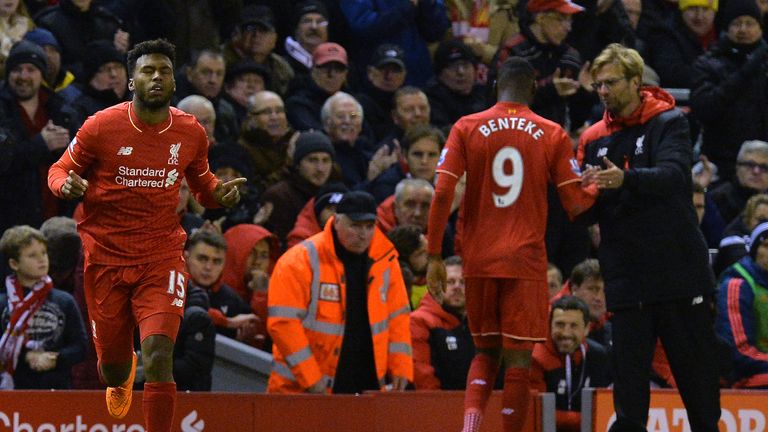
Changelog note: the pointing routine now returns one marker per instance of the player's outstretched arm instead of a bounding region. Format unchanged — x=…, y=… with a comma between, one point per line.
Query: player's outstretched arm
x=74, y=186
x=227, y=194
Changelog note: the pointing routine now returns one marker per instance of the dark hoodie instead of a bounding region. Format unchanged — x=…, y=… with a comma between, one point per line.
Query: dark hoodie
x=651, y=248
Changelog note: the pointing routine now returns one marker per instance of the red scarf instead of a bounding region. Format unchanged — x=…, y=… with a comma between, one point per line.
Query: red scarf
x=22, y=308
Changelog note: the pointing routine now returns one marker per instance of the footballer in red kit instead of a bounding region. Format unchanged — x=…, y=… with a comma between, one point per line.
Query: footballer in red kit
x=509, y=155
x=127, y=162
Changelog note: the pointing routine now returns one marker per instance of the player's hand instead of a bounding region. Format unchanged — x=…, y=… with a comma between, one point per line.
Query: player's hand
x=55, y=137
x=317, y=388
x=227, y=194
x=398, y=383
x=74, y=186
x=436, y=277
x=612, y=177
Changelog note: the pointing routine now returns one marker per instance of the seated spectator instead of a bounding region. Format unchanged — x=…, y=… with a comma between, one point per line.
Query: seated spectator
x=728, y=91
x=316, y=212
x=312, y=21
x=57, y=78
x=195, y=349
x=43, y=333
x=327, y=76
x=442, y=344
x=255, y=39
x=586, y=283
x=454, y=91
x=251, y=255
x=229, y=162
x=411, y=245
x=385, y=74
x=735, y=242
x=751, y=178
x=267, y=137
x=568, y=361
x=16, y=21
x=411, y=108
x=64, y=251
x=205, y=255
x=421, y=147
x=675, y=46
x=204, y=76
x=408, y=206
x=104, y=81
x=742, y=313
x=241, y=82
x=190, y=221
x=313, y=161
x=203, y=111
x=554, y=280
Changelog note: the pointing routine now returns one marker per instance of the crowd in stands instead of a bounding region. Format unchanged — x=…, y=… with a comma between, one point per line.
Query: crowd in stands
x=312, y=99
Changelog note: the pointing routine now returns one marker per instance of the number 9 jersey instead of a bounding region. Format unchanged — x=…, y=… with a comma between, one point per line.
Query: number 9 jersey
x=509, y=155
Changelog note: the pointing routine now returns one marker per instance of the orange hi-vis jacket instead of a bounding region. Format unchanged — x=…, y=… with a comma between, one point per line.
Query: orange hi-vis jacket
x=307, y=308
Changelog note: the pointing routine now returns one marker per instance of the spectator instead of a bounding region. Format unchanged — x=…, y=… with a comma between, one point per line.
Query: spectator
x=312, y=166
x=674, y=47
x=735, y=242
x=454, y=91
x=267, y=136
x=15, y=23
x=586, y=283
x=411, y=108
x=228, y=162
x=43, y=333
x=410, y=25
x=650, y=177
x=254, y=39
x=189, y=220
x=57, y=78
x=385, y=75
x=312, y=21
x=327, y=76
x=251, y=254
x=442, y=344
x=728, y=95
x=340, y=336
x=104, y=81
x=411, y=246
x=203, y=111
x=242, y=81
x=74, y=23
x=483, y=26
x=421, y=150
x=751, y=178
x=554, y=280
x=204, y=75
x=64, y=252
x=408, y=206
x=194, y=351
x=205, y=255
x=39, y=125
x=742, y=314
x=569, y=361
x=316, y=212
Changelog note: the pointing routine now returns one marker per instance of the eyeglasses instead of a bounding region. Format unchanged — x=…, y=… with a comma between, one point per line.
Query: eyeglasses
x=346, y=116
x=750, y=165
x=609, y=83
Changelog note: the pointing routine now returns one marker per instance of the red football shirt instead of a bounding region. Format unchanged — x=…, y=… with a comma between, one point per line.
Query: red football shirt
x=134, y=173
x=509, y=155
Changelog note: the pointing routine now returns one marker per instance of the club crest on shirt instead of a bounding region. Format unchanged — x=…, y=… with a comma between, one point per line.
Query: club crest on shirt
x=174, y=150
x=442, y=156
x=639, y=145
x=330, y=292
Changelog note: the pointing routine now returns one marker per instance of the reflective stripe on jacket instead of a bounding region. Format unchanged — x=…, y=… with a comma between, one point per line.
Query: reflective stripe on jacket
x=307, y=305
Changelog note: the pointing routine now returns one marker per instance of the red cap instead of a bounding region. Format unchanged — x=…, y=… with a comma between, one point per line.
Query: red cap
x=563, y=6
x=329, y=52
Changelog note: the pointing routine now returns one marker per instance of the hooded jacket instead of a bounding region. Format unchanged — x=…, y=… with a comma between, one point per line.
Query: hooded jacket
x=240, y=242
x=306, y=225
x=307, y=313
x=651, y=248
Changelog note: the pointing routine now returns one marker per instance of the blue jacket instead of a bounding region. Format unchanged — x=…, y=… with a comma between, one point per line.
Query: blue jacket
x=740, y=316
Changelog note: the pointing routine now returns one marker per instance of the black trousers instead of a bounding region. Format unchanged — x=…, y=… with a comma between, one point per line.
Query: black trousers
x=685, y=328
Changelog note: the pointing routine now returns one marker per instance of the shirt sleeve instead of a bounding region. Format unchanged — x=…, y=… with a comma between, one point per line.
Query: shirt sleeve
x=450, y=168
x=566, y=175
x=78, y=157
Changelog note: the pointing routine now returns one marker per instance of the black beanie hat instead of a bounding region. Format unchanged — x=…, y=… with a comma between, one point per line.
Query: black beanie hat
x=733, y=9
x=311, y=142
x=450, y=51
x=100, y=52
x=25, y=51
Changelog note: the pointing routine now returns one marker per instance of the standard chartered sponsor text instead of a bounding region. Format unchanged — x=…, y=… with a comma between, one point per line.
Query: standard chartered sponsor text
x=14, y=423
x=140, y=177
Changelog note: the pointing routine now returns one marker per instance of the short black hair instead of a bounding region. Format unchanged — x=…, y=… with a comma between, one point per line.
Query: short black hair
x=406, y=239
x=516, y=72
x=589, y=268
x=571, y=302
x=418, y=132
x=155, y=46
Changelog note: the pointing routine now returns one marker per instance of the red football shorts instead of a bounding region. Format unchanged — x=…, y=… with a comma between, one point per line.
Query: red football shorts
x=119, y=297
x=508, y=313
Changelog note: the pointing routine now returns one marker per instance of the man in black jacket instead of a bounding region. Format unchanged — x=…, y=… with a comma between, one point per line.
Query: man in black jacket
x=654, y=260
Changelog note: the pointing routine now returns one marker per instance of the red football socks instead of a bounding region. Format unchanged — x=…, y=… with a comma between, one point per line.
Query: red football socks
x=515, y=400
x=159, y=402
x=480, y=379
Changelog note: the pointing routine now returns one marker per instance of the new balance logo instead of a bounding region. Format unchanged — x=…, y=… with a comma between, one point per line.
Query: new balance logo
x=177, y=302
x=125, y=151
x=190, y=423
x=173, y=175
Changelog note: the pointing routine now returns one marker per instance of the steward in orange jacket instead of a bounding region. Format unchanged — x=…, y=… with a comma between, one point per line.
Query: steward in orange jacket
x=307, y=307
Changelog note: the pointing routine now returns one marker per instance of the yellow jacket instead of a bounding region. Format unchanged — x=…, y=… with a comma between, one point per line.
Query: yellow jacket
x=306, y=309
